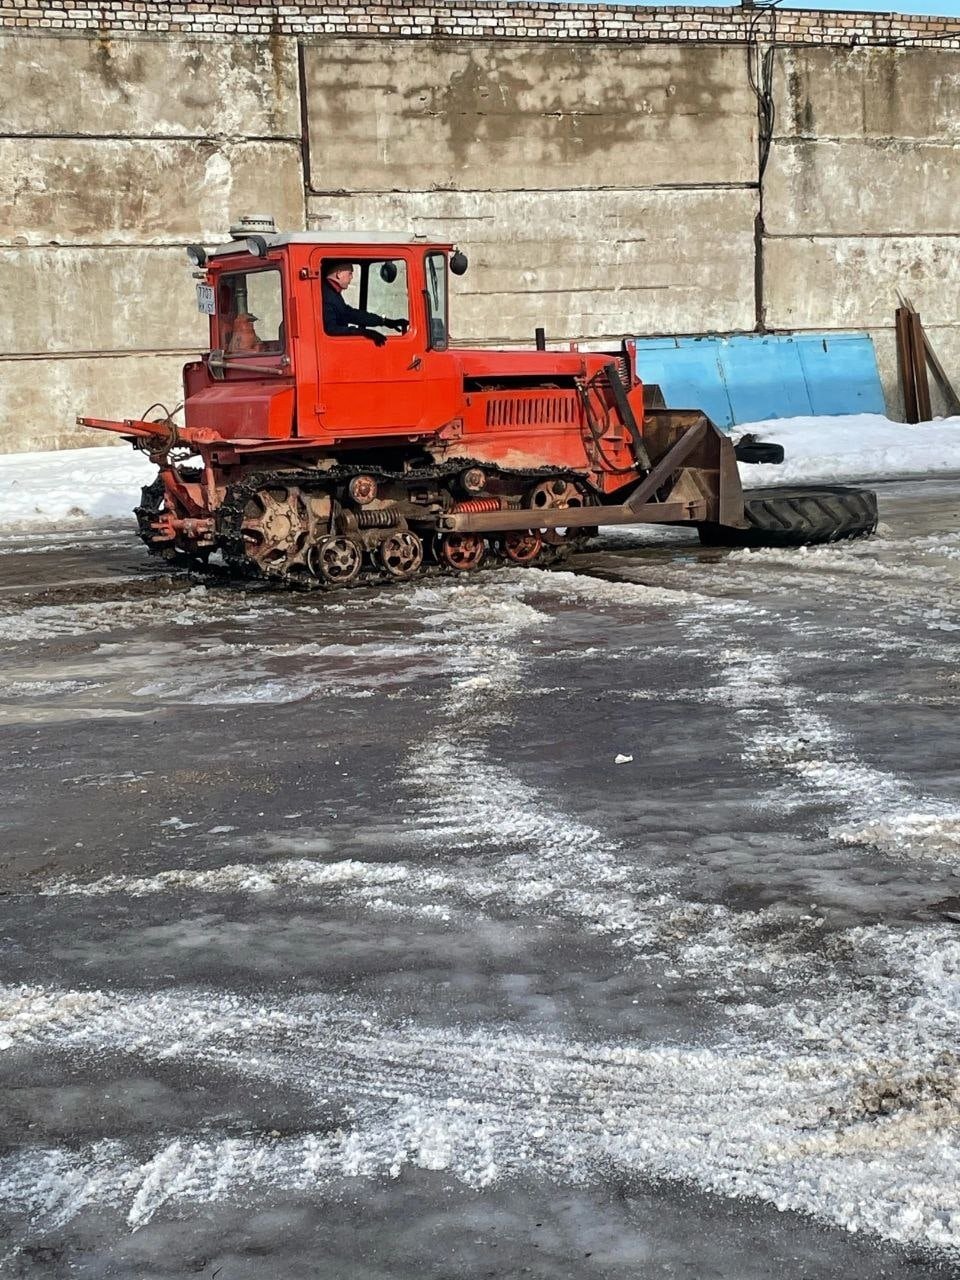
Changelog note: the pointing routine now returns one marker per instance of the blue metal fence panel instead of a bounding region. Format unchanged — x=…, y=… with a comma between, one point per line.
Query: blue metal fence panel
x=840, y=370
x=688, y=372
x=748, y=377
x=764, y=377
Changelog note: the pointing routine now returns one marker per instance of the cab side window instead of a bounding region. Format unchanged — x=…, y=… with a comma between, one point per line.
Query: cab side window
x=387, y=289
x=250, y=312
x=363, y=292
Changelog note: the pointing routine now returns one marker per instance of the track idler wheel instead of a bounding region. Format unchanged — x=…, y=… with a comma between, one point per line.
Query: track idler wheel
x=523, y=546
x=401, y=554
x=336, y=560
x=461, y=552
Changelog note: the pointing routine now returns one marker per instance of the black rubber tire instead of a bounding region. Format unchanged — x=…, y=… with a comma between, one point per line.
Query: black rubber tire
x=759, y=451
x=798, y=517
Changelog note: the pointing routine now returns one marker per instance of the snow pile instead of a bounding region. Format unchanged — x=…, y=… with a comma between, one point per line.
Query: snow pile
x=71, y=484
x=104, y=483
x=862, y=446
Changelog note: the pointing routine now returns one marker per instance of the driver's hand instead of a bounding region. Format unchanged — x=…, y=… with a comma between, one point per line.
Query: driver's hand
x=377, y=339
x=401, y=326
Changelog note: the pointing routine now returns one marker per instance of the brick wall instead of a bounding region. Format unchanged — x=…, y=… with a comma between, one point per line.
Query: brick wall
x=606, y=168
x=436, y=18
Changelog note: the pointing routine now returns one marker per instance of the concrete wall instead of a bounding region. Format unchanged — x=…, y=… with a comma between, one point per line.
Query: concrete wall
x=589, y=183
x=600, y=186
x=605, y=190
x=114, y=153
x=509, y=116
x=861, y=196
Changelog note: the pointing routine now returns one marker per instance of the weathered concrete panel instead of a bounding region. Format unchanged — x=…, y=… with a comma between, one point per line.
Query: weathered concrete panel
x=868, y=93
x=56, y=299
x=853, y=281
x=149, y=88
x=612, y=262
x=415, y=115
x=40, y=399
x=78, y=191
x=866, y=187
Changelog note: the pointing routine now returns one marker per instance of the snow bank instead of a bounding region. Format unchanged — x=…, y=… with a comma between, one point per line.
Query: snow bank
x=104, y=483
x=71, y=485
x=862, y=446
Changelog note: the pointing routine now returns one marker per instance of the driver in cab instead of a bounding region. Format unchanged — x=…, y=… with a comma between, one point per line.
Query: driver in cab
x=340, y=319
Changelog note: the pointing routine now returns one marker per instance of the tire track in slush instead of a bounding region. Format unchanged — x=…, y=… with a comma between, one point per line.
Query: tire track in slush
x=833, y=1115
x=837, y=1113
x=520, y=852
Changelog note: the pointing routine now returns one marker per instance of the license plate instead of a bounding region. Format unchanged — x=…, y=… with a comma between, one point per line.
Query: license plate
x=205, y=302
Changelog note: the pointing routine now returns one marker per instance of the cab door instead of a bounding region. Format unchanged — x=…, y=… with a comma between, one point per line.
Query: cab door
x=365, y=389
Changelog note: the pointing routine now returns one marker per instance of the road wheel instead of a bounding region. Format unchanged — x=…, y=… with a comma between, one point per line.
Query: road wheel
x=798, y=517
x=336, y=560
x=461, y=552
x=523, y=546
x=401, y=554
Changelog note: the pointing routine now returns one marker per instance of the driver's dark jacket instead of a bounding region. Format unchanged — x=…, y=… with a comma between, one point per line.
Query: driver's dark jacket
x=340, y=318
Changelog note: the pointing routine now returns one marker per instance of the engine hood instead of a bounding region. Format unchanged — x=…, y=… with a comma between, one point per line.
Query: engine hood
x=531, y=364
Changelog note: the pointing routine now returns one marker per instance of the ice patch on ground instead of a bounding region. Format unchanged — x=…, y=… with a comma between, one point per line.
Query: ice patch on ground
x=577, y=588
x=39, y=688
x=192, y=608
x=838, y=1108
x=253, y=878
x=880, y=809
x=913, y=834
x=224, y=674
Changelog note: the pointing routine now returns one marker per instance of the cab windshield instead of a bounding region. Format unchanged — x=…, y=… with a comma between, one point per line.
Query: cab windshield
x=250, y=316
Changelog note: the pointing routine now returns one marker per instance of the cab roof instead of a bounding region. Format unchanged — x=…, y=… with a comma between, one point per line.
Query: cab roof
x=339, y=238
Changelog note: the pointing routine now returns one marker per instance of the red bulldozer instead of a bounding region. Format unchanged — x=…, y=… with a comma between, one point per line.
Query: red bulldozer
x=335, y=433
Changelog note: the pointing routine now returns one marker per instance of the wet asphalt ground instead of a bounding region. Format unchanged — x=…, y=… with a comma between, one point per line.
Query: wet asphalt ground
x=335, y=941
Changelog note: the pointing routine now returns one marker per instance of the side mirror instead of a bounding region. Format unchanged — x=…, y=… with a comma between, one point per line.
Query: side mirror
x=388, y=271
x=458, y=262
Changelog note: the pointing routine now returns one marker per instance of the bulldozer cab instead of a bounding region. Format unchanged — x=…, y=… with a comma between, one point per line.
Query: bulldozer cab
x=288, y=372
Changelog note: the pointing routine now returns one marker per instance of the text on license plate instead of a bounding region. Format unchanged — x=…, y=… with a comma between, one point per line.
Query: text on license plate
x=205, y=303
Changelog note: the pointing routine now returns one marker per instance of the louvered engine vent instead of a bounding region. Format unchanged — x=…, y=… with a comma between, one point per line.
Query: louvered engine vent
x=532, y=409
